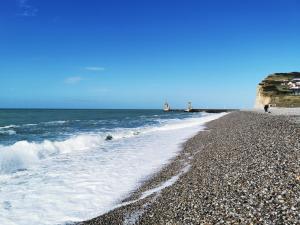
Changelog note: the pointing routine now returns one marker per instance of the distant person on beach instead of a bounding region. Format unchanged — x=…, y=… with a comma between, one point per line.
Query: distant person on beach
x=266, y=108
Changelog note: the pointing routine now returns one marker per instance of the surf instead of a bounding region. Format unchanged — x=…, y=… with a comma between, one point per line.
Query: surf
x=85, y=175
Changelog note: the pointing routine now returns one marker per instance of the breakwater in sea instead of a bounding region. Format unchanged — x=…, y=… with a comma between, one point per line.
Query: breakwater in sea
x=204, y=110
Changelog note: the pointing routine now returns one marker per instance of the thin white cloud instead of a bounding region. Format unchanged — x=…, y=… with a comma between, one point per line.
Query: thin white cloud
x=73, y=80
x=25, y=9
x=94, y=68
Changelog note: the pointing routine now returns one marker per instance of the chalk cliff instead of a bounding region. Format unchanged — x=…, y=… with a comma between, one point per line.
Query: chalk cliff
x=275, y=90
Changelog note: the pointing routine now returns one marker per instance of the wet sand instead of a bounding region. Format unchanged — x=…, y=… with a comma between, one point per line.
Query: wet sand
x=244, y=169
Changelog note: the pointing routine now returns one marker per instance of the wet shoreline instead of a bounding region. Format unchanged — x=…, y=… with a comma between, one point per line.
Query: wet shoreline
x=243, y=169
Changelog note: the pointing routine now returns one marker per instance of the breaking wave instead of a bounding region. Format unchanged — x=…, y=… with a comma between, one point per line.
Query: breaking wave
x=43, y=183
x=8, y=126
x=9, y=132
x=23, y=154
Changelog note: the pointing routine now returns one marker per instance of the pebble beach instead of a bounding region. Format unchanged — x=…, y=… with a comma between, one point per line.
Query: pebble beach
x=243, y=169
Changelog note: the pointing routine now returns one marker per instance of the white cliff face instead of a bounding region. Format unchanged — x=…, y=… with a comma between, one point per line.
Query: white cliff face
x=272, y=90
x=261, y=99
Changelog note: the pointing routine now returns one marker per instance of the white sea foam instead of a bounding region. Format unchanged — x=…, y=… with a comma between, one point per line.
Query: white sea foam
x=57, y=122
x=83, y=176
x=24, y=154
x=30, y=124
x=8, y=126
x=133, y=217
x=165, y=184
x=9, y=132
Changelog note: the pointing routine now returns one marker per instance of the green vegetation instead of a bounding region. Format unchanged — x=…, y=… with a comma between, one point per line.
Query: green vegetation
x=276, y=89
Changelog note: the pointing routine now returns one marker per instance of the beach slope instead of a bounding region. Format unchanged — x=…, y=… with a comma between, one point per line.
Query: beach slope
x=244, y=169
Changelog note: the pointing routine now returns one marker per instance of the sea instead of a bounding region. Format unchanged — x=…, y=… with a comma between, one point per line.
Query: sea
x=62, y=166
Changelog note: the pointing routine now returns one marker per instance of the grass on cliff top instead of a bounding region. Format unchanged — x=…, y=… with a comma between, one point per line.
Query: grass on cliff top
x=282, y=76
x=272, y=84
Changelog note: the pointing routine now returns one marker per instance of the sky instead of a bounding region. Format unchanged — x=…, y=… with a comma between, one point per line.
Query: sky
x=138, y=54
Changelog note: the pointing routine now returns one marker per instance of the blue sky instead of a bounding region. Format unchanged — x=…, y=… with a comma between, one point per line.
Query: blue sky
x=137, y=54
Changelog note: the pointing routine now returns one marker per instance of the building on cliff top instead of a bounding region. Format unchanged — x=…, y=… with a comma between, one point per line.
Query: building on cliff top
x=280, y=89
